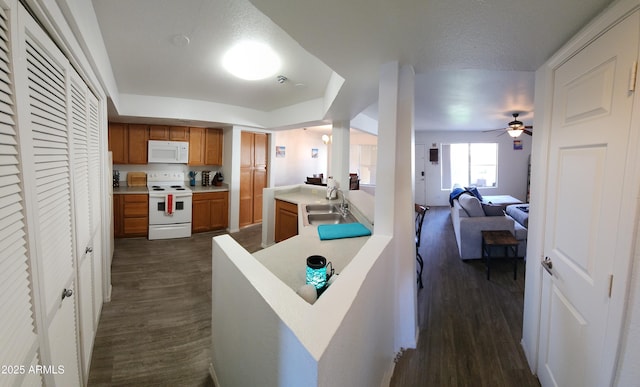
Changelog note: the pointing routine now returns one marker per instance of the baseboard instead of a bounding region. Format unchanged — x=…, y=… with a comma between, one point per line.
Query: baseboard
x=108, y=295
x=214, y=377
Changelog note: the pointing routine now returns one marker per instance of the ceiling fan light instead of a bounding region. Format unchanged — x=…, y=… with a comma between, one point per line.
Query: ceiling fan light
x=514, y=132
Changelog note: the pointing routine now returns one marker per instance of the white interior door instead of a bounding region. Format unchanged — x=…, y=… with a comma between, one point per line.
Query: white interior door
x=590, y=127
x=420, y=183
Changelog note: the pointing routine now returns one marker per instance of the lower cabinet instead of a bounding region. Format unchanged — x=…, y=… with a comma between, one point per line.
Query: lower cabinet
x=286, y=220
x=130, y=215
x=210, y=211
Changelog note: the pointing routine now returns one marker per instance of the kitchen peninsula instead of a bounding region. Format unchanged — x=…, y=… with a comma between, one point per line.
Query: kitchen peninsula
x=287, y=259
x=258, y=319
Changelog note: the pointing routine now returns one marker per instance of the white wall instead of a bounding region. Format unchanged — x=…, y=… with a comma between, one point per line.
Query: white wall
x=277, y=339
x=252, y=344
x=512, y=164
x=297, y=163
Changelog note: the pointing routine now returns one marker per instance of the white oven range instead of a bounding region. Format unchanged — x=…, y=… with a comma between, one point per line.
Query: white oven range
x=169, y=205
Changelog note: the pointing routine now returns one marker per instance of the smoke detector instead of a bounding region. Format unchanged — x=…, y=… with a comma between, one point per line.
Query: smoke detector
x=281, y=79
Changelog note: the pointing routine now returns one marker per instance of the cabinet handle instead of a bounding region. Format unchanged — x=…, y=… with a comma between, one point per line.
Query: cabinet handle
x=88, y=250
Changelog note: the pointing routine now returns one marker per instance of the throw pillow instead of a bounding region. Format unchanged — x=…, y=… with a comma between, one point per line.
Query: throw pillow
x=492, y=210
x=474, y=191
x=471, y=205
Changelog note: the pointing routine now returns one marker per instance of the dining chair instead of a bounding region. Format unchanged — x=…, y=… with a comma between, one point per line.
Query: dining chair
x=420, y=212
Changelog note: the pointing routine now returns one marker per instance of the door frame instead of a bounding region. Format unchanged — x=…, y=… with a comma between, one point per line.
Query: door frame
x=424, y=174
x=539, y=159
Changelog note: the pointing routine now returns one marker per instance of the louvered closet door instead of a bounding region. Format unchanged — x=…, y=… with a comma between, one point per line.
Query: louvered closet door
x=80, y=158
x=79, y=126
x=95, y=201
x=18, y=342
x=45, y=138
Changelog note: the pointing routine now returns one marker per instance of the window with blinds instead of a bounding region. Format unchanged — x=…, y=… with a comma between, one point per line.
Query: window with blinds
x=18, y=342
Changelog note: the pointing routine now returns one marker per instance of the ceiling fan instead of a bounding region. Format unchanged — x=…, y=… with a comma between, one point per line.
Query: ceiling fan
x=515, y=128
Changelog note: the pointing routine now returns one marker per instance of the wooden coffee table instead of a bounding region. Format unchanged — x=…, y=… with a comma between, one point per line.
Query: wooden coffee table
x=496, y=239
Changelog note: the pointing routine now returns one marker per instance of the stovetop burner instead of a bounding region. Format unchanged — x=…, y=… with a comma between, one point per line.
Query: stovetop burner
x=167, y=182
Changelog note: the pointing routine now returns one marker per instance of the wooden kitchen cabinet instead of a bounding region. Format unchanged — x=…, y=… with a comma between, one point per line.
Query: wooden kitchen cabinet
x=205, y=146
x=130, y=215
x=138, y=137
x=210, y=211
x=196, y=146
x=178, y=133
x=213, y=146
x=168, y=133
x=119, y=142
x=253, y=176
x=286, y=220
x=118, y=218
x=158, y=132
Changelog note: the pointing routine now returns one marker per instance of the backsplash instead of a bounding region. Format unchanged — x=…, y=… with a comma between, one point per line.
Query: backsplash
x=125, y=169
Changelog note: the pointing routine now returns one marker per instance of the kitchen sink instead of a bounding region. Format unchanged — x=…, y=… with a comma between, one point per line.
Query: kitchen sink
x=330, y=218
x=322, y=209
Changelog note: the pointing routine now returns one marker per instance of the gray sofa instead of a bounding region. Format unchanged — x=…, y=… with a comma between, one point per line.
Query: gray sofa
x=469, y=217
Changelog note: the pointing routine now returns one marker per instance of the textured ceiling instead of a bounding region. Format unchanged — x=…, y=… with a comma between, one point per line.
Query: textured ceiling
x=139, y=36
x=474, y=59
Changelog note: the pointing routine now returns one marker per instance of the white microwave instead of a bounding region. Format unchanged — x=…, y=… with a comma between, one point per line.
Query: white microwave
x=168, y=152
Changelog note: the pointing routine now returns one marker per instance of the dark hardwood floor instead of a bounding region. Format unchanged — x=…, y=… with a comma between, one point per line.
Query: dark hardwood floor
x=470, y=328
x=156, y=330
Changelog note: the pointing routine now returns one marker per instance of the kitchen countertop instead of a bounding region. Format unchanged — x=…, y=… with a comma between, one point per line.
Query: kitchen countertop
x=209, y=188
x=124, y=189
x=287, y=259
x=362, y=204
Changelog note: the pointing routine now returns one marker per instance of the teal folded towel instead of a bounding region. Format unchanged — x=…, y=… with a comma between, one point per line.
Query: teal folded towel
x=345, y=230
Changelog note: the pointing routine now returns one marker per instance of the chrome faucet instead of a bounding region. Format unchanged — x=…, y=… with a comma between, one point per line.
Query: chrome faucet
x=343, y=205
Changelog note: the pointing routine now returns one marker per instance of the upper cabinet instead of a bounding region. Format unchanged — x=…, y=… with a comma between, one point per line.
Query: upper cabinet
x=169, y=133
x=119, y=143
x=213, y=147
x=128, y=142
x=196, y=146
x=138, y=136
x=205, y=146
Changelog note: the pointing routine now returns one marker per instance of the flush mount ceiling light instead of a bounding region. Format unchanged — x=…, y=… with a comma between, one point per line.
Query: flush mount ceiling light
x=251, y=61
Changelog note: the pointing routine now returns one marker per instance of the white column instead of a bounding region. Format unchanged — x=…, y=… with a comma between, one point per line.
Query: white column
x=340, y=141
x=231, y=170
x=394, y=199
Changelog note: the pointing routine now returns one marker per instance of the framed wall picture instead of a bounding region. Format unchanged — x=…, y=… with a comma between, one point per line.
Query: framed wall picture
x=280, y=151
x=517, y=144
x=314, y=153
